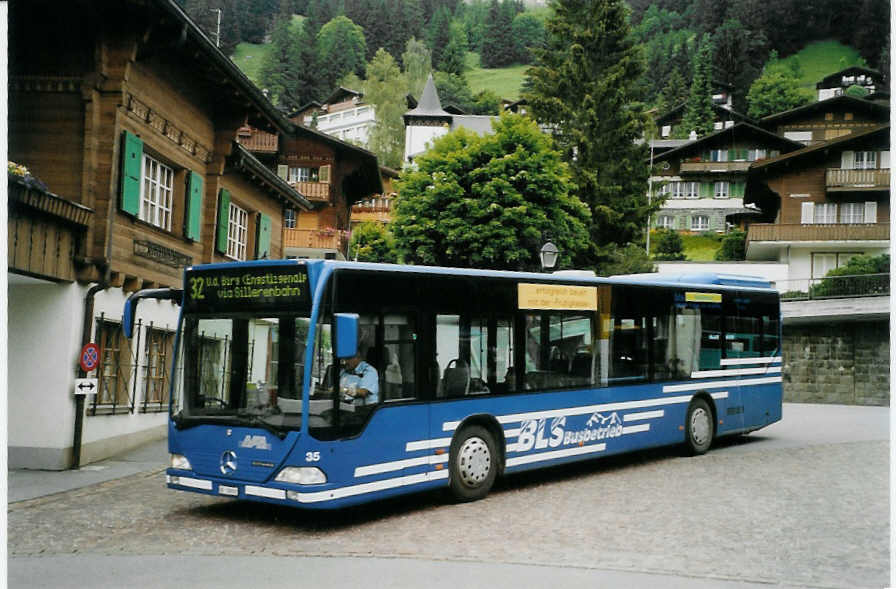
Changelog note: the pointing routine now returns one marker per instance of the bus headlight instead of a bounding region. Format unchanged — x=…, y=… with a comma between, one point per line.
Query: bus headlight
x=301, y=475
x=180, y=461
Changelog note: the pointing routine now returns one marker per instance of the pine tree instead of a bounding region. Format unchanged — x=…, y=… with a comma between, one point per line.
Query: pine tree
x=699, y=115
x=490, y=56
x=439, y=34
x=277, y=75
x=674, y=92
x=455, y=54
x=582, y=86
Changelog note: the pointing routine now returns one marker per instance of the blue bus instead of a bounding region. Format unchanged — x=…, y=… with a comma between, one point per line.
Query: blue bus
x=322, y=383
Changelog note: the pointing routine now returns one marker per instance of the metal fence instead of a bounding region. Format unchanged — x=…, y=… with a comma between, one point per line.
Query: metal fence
x=833, y=287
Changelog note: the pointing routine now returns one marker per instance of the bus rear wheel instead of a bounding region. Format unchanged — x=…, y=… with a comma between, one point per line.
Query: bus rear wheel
x=473, y=463
x=698, y=427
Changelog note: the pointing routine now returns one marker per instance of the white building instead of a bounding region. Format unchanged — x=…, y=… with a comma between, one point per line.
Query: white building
x=344, y=115
x=429, y=121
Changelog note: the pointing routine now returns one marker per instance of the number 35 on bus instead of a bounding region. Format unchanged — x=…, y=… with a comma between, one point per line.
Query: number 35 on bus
x=322, y=384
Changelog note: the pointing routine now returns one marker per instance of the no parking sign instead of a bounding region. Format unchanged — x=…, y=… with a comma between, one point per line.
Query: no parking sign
x=90, y=357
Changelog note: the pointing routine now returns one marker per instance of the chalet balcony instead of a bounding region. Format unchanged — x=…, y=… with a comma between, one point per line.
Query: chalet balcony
x=329, y=239
x=258, y=141
x=373, y=209
x=839, y=179
x=764, y=232
x=709, y=167
x=313, y=191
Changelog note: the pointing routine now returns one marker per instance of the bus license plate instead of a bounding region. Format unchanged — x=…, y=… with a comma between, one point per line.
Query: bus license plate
x=232, y=491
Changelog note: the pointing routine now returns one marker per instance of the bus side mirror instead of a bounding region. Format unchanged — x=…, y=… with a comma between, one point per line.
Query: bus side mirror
x=346, y=334
x=130, y=306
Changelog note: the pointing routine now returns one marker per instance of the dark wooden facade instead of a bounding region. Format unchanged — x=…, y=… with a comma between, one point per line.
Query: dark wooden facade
x=84, y=76
x=827, y=120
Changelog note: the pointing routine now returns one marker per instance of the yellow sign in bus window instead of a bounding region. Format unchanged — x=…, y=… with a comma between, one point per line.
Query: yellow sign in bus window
x=703, y=297
x=557, y=296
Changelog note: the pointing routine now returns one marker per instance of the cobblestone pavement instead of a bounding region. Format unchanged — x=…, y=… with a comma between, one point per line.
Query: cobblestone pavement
x=811, y=516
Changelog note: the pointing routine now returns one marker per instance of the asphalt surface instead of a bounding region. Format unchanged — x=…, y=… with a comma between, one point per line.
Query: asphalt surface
x=803, y=503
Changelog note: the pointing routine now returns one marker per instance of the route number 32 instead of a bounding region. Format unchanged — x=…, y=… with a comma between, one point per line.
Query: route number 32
x=312, y=456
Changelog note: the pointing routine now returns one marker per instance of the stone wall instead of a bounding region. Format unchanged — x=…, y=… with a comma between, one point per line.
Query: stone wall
x=842, y=362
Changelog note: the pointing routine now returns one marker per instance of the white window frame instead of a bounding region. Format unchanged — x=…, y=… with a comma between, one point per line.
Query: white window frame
x=156, y=193
x=237, y=232
x=721, y=189
x=824, y=213
x=852, y=212
x=665, y=221
x=718, y=155
x=865, y=160
x=700, y=223
x=290, y=218
x=303, y=174
x=757, y=154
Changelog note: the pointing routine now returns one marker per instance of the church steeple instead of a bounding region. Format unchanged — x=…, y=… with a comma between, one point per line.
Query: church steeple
x=429, y=106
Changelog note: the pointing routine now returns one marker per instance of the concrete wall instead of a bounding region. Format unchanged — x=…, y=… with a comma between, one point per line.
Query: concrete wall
x=45, y=323
x=43, y=338
x=843, y=362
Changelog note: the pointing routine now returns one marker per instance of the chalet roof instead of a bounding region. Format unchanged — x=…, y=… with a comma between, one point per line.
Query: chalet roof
x=860, y=139
x=242, y=159
x=834, y=80
x=740, y=130
x=676, y=113
x=838, y=102
x=339, y=93
x=429, y=104
x=480, y=124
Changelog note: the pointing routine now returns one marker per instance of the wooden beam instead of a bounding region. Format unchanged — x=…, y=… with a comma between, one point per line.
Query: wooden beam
x=116, y=279
x=131, y=283
x=149, y=284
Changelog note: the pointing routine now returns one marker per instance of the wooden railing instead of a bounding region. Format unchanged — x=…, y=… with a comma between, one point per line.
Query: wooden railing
x=373, y=205
x=313, y=191
x=818, y=232
x=313, y=238
x=714, y=166
x=838, y=178
x=259, y=141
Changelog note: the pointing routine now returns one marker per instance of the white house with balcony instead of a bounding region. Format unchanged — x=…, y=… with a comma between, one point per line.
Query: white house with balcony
x=703, y=181
x=822, y=205
x=344, y=115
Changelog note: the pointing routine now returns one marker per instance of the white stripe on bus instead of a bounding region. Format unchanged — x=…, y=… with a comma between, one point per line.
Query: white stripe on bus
x=736, y=372
x=512, y=433
x=633, y=429
x=541, y=456
x=189, y=482
x=570, y=411
x=350, y=491
x=742, y=361
x=693, y=386
x=363, y=471
x=264, y=492
x=427, y=444
x=643, y=415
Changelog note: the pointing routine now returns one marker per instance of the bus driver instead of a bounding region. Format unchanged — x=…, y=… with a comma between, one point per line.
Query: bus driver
x=359, y=381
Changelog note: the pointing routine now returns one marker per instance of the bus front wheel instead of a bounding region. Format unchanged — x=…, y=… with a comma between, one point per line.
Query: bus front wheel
x=698, y=427
x=473, y=463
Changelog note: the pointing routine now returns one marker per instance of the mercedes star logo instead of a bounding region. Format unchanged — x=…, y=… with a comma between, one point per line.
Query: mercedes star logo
x=228, y=462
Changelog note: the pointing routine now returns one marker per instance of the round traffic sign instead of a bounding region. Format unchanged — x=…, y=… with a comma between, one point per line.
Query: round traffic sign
x=90, y=357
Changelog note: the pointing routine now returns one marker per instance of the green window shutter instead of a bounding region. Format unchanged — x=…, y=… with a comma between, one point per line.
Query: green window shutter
x=194, y=206
x=131, y=164
x=706, y=190
x=737, y=189
x=263, y=237
x=223, y=220
x=732, y=155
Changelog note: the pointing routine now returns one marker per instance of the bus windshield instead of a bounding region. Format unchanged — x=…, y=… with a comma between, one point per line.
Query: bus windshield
x=244, y=367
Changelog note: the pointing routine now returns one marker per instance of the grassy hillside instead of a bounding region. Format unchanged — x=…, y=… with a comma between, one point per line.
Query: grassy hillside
x=822, y=58
x=249, y=57
x=697, y=247
x=505, y=82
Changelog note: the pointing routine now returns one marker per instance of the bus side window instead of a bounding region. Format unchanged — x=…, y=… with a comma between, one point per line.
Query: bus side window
x=398, y=379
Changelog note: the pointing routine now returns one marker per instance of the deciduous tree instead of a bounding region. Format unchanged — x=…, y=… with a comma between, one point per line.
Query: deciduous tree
x=488, y=202
x=385, y=90
x=341, y=46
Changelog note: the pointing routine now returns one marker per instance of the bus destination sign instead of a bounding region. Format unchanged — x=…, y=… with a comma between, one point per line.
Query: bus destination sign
x=247, y=289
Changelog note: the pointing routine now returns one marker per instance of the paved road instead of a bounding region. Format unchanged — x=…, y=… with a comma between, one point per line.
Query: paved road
x=801, y=503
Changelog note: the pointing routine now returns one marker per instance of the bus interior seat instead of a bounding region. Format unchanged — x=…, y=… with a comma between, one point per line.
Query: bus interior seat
x=392, y=380
x=456, y=380
x=581, y=365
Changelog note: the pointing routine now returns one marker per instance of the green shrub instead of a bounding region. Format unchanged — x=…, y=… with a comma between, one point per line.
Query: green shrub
x=734, y=247
x=867, y=275
x=669, y=245
x=373, y=242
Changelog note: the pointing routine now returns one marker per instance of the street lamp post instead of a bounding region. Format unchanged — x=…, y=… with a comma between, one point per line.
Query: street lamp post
x=549, y=254
x=218, y=29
